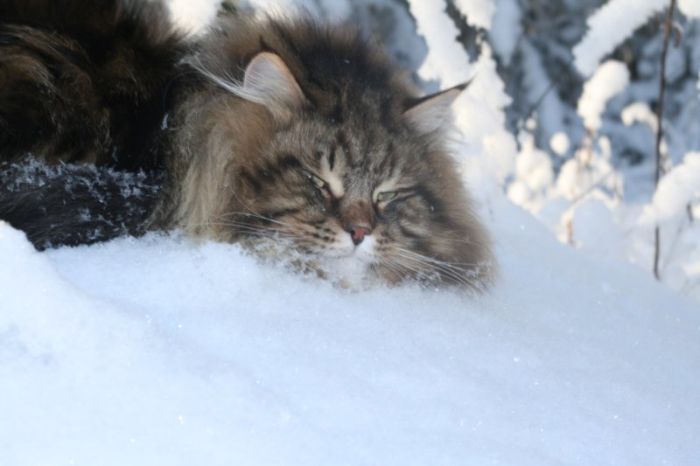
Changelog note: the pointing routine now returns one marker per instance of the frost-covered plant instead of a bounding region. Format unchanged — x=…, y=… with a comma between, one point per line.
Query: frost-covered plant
x=586, y=130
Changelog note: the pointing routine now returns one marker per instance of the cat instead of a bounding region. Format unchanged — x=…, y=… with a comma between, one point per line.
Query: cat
x=302, y=142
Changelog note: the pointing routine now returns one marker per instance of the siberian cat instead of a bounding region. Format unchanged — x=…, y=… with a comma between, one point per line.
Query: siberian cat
x=297, y=140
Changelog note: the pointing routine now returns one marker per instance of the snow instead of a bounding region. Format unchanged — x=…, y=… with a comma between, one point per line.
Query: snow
x=690, y=8
x=282, y=8
x=676, y=190
x=591, y=220
x=609, y=26
x=479, y=13
x=160, y=351
x=506, y=28
x=550, y=114
x=639, y=112
x=192, y=16
x=610, y=79
x=480, y=118
x=533, y=172
x=479, y=111
x=560, y=143
x=447, y=60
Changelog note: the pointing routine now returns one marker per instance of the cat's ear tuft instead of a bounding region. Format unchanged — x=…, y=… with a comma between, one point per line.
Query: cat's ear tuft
x=269, y=82
x=432, y=112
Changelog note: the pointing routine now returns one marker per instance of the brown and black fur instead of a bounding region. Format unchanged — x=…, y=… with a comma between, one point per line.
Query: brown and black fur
x=286, y=136
x=83, y=81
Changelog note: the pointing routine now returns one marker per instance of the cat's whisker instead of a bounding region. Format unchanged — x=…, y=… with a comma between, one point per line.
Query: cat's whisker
x=449, y=270
x=402, y=270
x=457, y=265
x=258, y=216
x=248, y=229
x=393, y=265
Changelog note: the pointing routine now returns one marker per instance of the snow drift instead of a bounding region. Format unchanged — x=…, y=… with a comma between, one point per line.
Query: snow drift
x=160, y=351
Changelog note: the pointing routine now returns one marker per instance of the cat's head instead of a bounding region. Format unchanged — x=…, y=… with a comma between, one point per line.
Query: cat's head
x=351, y=172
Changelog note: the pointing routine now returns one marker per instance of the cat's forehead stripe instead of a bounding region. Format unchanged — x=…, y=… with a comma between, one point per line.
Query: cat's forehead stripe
x=387, y=185
x=331, y=157
x=335, y=183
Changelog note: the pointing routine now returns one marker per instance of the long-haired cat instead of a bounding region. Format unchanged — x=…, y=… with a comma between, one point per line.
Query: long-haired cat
x=290, y=137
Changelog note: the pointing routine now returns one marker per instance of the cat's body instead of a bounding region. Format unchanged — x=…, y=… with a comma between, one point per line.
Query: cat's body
x=283, y=135
x=82, y=81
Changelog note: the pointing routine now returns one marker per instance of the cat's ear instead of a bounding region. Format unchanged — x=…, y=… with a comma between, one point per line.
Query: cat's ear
x=432, y=112
x=269, y=82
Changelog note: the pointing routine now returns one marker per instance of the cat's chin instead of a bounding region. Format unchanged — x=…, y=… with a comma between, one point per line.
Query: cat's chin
x=353, y=271
x=348, y=268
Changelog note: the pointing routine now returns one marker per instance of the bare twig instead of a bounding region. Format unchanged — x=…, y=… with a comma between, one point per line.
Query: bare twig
x=668, y=30
x=593, y=186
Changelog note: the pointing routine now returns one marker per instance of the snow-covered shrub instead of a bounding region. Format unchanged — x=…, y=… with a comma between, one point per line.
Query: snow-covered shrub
x=587, y=130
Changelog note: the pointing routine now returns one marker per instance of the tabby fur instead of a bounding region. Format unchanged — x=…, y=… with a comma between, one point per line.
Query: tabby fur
x=300, y=141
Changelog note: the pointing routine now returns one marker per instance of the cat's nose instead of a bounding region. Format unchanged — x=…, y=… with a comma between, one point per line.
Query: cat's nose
x=358, y=233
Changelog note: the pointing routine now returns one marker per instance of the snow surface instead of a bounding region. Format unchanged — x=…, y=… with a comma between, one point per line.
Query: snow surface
x=160, y=351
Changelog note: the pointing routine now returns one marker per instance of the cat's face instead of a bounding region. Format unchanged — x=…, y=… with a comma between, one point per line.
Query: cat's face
x=361, y=202
x=359, y=197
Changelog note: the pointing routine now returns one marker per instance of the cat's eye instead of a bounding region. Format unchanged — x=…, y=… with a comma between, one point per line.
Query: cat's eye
x=387, y=196
x=319, y=183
